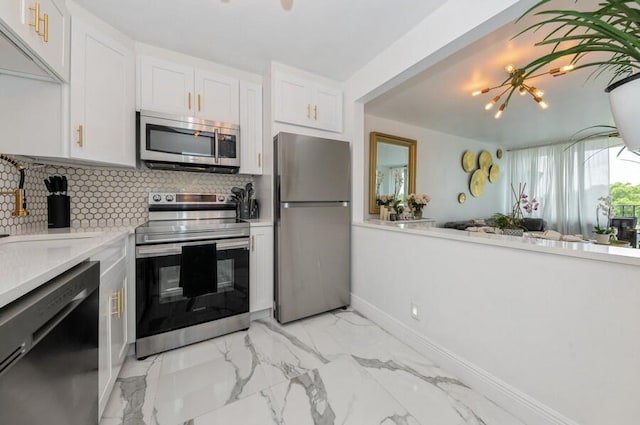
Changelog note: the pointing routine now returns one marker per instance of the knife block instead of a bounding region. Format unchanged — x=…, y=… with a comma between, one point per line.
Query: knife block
x=59, y=211
x=248, y=209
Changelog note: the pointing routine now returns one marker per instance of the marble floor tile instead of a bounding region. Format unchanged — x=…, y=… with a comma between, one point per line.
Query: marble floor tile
x=282, y=350
x=234, y=373
x=337, y=368
x=257, y=409
x=433, y=396
x=348, y=333
x=132, y=399
x=340, y=392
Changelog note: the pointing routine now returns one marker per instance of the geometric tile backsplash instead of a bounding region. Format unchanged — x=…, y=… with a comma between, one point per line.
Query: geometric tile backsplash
x=102, y=196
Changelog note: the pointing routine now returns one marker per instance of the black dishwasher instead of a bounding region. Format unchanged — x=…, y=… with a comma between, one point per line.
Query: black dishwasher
x=49, y=352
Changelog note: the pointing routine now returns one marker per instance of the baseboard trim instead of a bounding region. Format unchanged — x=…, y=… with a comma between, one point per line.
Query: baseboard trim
x=521, y=405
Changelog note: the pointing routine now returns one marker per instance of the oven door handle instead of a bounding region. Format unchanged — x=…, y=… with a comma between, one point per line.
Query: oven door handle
x=176, y=248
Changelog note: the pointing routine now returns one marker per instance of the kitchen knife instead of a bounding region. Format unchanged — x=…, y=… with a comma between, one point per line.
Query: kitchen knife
x=47, y=183
x=57, y=184
x=65, y=184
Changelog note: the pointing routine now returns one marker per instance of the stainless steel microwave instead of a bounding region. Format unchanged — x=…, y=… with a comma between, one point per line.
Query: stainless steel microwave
x=170, y=142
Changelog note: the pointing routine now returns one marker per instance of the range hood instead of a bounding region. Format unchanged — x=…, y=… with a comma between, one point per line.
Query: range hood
x=14, y=61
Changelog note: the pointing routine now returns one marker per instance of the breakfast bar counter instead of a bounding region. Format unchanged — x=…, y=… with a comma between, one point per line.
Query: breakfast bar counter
x=585, y=249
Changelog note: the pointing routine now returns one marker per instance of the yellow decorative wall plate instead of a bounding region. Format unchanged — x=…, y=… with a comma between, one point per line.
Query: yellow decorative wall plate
x=494, y=173
x=485, y=160
x=462, y=197
x=468, y=161
x=478, y=182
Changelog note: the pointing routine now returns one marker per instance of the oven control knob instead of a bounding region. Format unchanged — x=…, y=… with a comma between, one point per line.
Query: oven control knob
x=157, y=198
x=168, y=198
x=220, y=198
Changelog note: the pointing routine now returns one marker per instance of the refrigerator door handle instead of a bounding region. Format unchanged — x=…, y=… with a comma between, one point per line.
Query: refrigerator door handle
x=314, y=204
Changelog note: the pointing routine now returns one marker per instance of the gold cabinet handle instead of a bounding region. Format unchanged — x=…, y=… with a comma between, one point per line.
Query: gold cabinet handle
x=199, y=104
x=121, y=301
x=308, y=110
x=36, y=19
x=259, y=160
x=253, y=243
x=45, y=36
x=189, y=100
x=315, y=112
x=80, y=132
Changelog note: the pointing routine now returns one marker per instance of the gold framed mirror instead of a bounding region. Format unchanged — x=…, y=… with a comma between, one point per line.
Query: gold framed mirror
x=392, y=167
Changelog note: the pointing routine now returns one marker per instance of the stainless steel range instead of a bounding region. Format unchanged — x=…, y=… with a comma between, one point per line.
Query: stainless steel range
x=192, y=271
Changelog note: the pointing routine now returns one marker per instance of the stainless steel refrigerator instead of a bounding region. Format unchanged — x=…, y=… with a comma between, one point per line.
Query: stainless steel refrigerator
x=312, y=226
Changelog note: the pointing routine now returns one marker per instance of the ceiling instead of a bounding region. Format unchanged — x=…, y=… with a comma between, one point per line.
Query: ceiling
x=440, y=97
x=333, y=38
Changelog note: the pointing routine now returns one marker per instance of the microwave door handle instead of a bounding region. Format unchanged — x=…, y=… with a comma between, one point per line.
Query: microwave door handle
x=216, y=137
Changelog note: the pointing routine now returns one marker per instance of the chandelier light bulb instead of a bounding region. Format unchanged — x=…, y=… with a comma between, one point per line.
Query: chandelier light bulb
x=499, y=112
x=510, y=69
x=522, y=90
x=479, y=92
x=537, y=92
x=542, y=103
x=567, y=68
x=493, y=102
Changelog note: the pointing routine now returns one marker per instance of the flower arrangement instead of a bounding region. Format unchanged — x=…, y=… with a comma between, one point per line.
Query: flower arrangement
x=384, y=200
x=417, y=202
x=605, y=207
x=522, y=203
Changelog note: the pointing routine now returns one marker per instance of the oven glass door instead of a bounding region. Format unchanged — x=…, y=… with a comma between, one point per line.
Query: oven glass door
x=180, y=141
x=165, y=303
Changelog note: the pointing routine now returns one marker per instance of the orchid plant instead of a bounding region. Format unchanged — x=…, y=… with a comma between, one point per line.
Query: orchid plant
x=605, y=207
x=522, y=203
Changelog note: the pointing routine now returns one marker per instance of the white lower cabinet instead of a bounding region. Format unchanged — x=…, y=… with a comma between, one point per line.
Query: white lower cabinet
x=112, y=339
x=261, y=268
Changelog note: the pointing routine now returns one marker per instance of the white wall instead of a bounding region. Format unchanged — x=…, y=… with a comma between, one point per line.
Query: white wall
x=440, y=34
x=561, y=330
x=439, y=171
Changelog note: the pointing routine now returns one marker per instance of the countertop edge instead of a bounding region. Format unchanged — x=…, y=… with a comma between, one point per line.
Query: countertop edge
x=562, y=248
x=25, y=287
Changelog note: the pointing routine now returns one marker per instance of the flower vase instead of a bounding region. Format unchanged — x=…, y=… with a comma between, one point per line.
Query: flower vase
x=383, y=212
x=417, y=214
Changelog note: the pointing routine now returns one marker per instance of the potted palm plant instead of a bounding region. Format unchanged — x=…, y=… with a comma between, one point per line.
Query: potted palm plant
x=605, y=39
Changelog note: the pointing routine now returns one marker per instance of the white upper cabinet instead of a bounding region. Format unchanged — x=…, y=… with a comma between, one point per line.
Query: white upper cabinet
x=166, y=87
x=41, y=27
x=327, y=112
x=293, y=100
x=102, y=98
x=216, y=97
x=250, y=128
x=307, y=103
x=183, y=90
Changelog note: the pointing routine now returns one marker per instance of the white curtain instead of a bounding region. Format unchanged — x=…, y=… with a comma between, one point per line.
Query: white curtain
x=567, y=180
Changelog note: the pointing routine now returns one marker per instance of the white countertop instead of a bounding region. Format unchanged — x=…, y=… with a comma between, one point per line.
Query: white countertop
x=28, y=261
x=612, y=254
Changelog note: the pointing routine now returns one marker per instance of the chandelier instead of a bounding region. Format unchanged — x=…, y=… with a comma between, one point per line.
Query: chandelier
x=517, y=79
